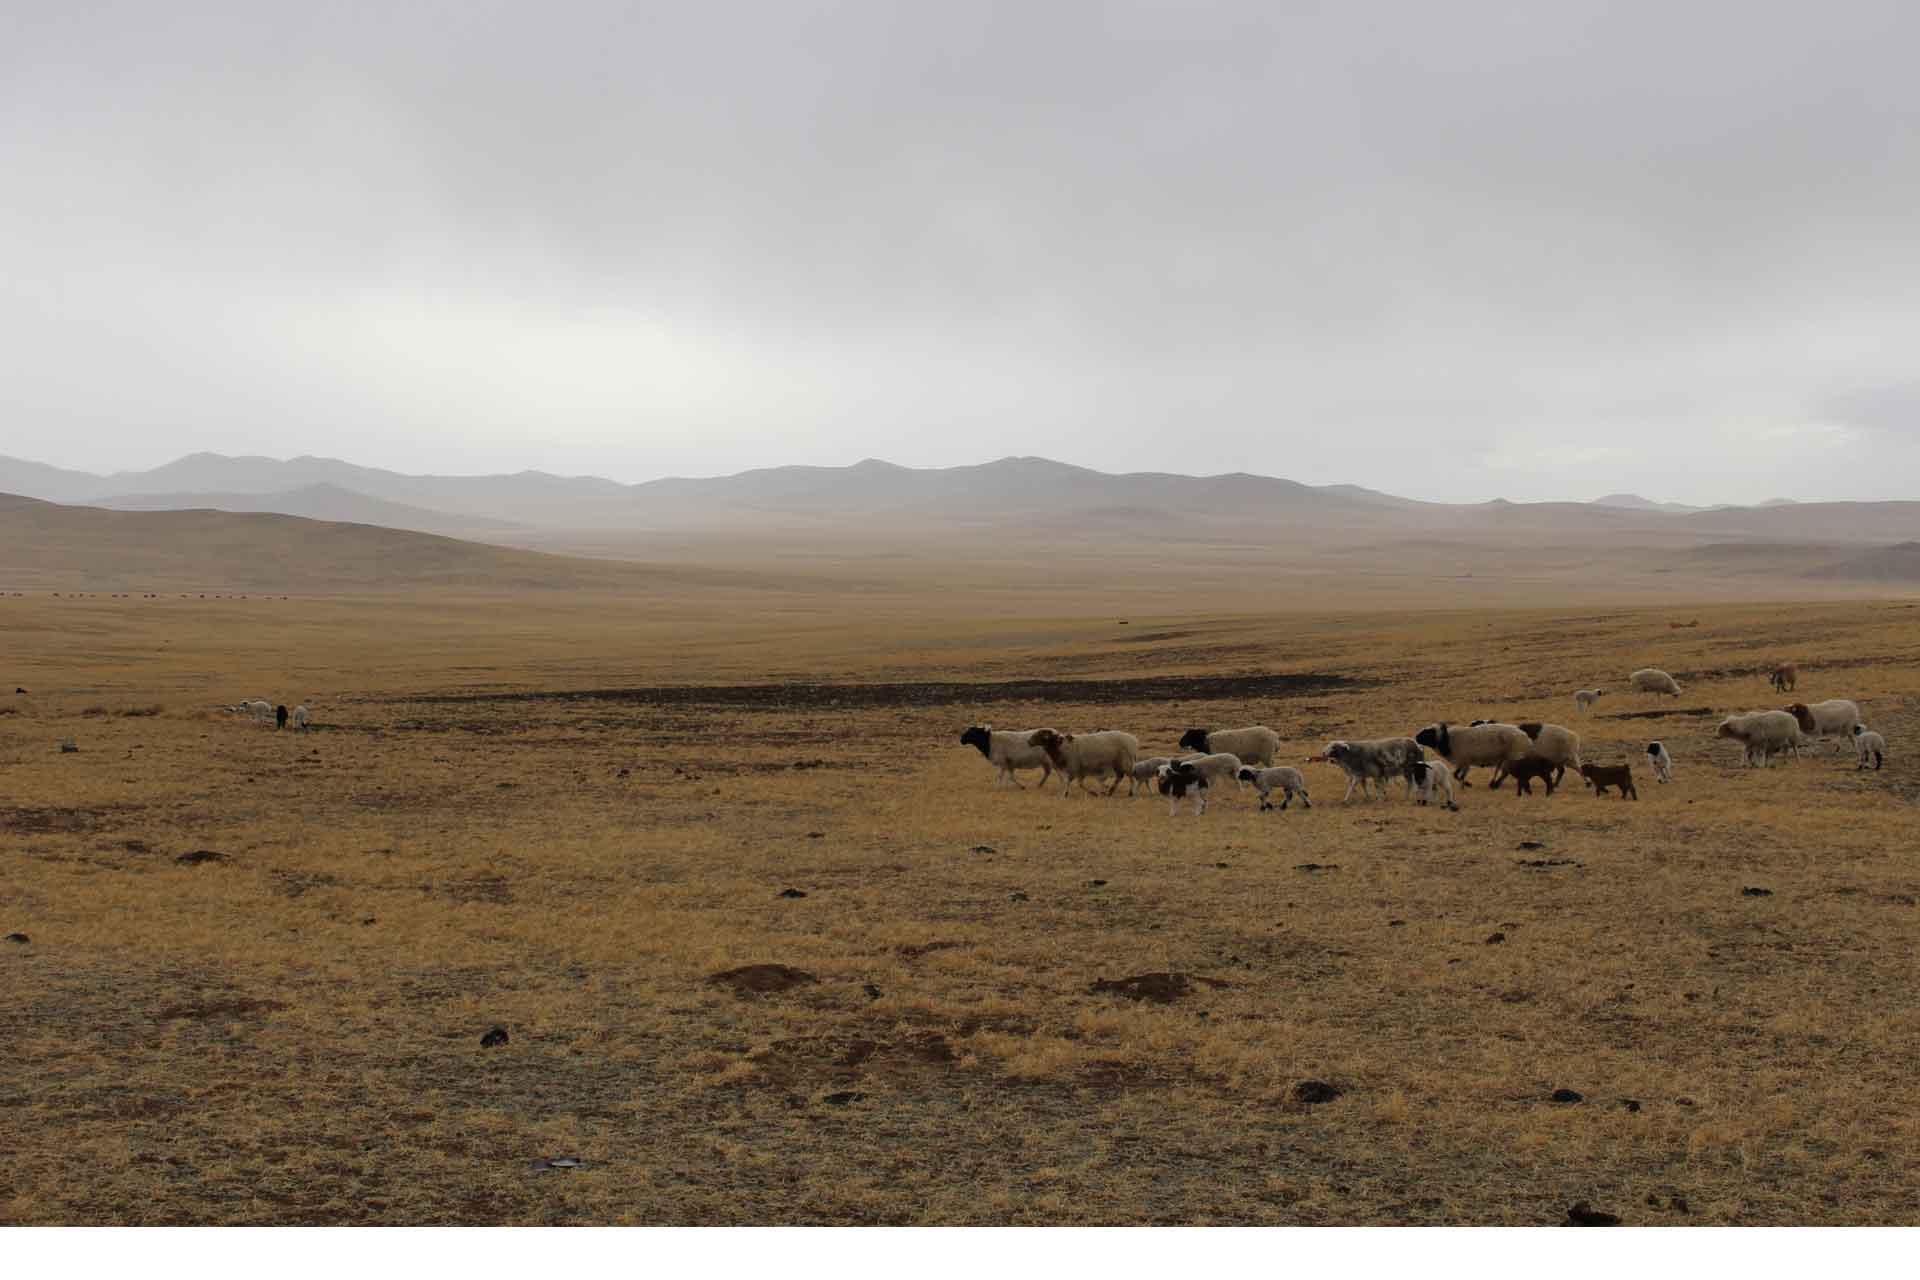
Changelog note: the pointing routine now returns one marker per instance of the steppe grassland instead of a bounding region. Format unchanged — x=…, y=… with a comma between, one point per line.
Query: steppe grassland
x=291, y=1034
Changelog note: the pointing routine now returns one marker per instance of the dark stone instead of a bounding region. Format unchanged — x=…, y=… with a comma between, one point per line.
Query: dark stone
x=1631, y=1104
x=1532, y=844
x=1679, y=1205
x=1495, y=939
x=1753, y=891
x=558, y=1162
x=1311, y=867
x=494, y=1038
x=873, y=992
x=843, y=1098
x=1017, y=896
x=792, y=893
x=1096, y=884
x=816, y=835
x=983, y=848
x=1314, y=1092
x=1584, y=1215
x=1566, y=1096
x=1396, y=924
x=19, y=938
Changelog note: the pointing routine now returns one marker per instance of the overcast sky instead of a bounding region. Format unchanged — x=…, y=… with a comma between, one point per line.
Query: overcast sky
x=1456, y=251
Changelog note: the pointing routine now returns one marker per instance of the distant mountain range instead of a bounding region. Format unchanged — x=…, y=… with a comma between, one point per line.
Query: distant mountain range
x=1010, y=493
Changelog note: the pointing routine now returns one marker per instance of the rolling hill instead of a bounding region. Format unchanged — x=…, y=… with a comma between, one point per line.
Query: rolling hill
x=320, y=502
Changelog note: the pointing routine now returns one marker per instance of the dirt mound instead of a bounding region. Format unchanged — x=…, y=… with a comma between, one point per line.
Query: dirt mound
x=938, y=693
x=1160, y=988
x=762, y=979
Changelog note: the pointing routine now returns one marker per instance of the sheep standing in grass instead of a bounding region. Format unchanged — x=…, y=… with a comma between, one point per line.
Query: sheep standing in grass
x=1660, y=761
x=1218, y=767
x=1283, y=778
x=1373, y=762
x=1833, y=718
x=1762, y=735
x=1145, y=773
x=261, y=710
x=1008, y=751
x=1255, y=744
x=1784, y=677
x=1079, y=756
x=302, y=719
x=1602, y=776
x=1558, y=746
x=1177, y=780
x=1498, y=745
x=1869, y=743
x=1583, y=699
x=1428, y=779
x=1654, y=680
x=1524, y=772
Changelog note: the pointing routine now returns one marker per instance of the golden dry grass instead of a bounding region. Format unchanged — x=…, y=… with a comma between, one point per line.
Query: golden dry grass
x=291, y=1033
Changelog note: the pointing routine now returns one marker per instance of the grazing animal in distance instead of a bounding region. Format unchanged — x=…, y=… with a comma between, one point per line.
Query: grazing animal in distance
x=1602, y=776
x=302, y=718
x=280, y=716
x=1008, y=750
x=1784, y=677
x=1661, y=762
x=1256, y=744
x=1583, y=699
x=1283, y=778
x=1525, y=772
x=1654, y=680
x=1762, y=735
x=1869, y=743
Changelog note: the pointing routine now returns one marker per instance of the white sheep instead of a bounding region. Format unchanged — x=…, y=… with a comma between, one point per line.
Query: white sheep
x=1763, y=735
x=1553, y=743
x=1217, y=767
x=1654, y=680
x=261, y=710
x=302, y=719
x=1661, y=760
x=1490, y=743
x=1255, y=744
x=1285, y=778
x=1178, y=780
x=1869, y=743
x=1833, y=718
x=1144, y=773
x=1427, y=779
x=1079, y=756
x=1007, y=751
x=1583, y=699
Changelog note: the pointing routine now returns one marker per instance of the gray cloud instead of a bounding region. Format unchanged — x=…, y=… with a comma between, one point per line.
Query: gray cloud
x=1457, y=251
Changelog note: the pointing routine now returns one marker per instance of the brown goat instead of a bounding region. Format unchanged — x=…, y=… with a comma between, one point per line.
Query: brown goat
x=1602, y=776
x=1784, y=677
x=1525, y=770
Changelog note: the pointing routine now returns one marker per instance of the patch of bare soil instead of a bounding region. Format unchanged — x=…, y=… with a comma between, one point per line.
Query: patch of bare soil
x=27, y=820
x=762, y=979
x=235, y=1008
x=937, y=693
x=1659, y=715
x=1159, y=988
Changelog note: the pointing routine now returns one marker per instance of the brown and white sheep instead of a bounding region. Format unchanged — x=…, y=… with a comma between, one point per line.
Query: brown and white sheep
x=1079, y=756
x=1833, y=718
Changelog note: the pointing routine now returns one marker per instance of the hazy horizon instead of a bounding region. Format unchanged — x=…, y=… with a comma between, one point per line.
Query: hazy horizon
x=1451, y=254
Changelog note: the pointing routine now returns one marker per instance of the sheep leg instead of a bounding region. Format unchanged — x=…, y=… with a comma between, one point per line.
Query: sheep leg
x=1304, y=802
x=1460, y=775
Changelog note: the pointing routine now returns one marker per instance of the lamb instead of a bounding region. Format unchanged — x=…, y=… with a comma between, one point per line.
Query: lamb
x=1602, y=776
x=1144, y=772
x=1552, y=743
x=1654, y=680
x=1583, y=699
x=1425, y=778
x=1176, y=781
x=1493, y=744
x=280, y=714
x=1217, y=767
x=1762, y=734
x=1377, y=760
x=1256, y=744
x=260, y=709
x=1285, y=779
x=1524, y=772
x=1662, y=762
x=1079, y=756
x=1784, y=676
x=1008, y=750
x=302, y=719
x=1833, y=718
x=1869, y=743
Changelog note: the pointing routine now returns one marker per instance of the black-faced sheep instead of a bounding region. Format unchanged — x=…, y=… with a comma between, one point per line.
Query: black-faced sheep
x=1761, y=734
x=1869, y=743
x=1654, y=680
x=1602, y=776
x=1079, y=756
x=1660, y=761
x=1283, y=778
x=1179, y=780
x=1498, y=745
x=1008, y=750
x=1427, y=779
x=1255, y=744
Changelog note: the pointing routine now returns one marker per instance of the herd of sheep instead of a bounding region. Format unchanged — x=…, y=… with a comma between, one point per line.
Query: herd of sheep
x=1527, y=752
x=260, y=711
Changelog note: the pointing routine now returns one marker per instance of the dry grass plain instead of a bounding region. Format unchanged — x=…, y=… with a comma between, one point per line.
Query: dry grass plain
x=291, y=1033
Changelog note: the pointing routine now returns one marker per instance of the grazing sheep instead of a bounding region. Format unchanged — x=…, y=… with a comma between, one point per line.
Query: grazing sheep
x=1654, y=680
x=1762, y=734
x=1486, y=743
x=1662, y=762
x=1255, y=744
x=1375, y=761
x=1217, y=768
x=1145, y=772
x=1869, y=743
x=1524, y=772
x=1602, y=776
x=1552, y=743
x=1283, y=778
x=1425, y=778
x=260, y=709
x=1008, y=750
x=1179, y=780
x=302, y=719
x=1833, y=718
x=280, y=714
x=1784, y=677
x=1079, y=756
x=1583, y=699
